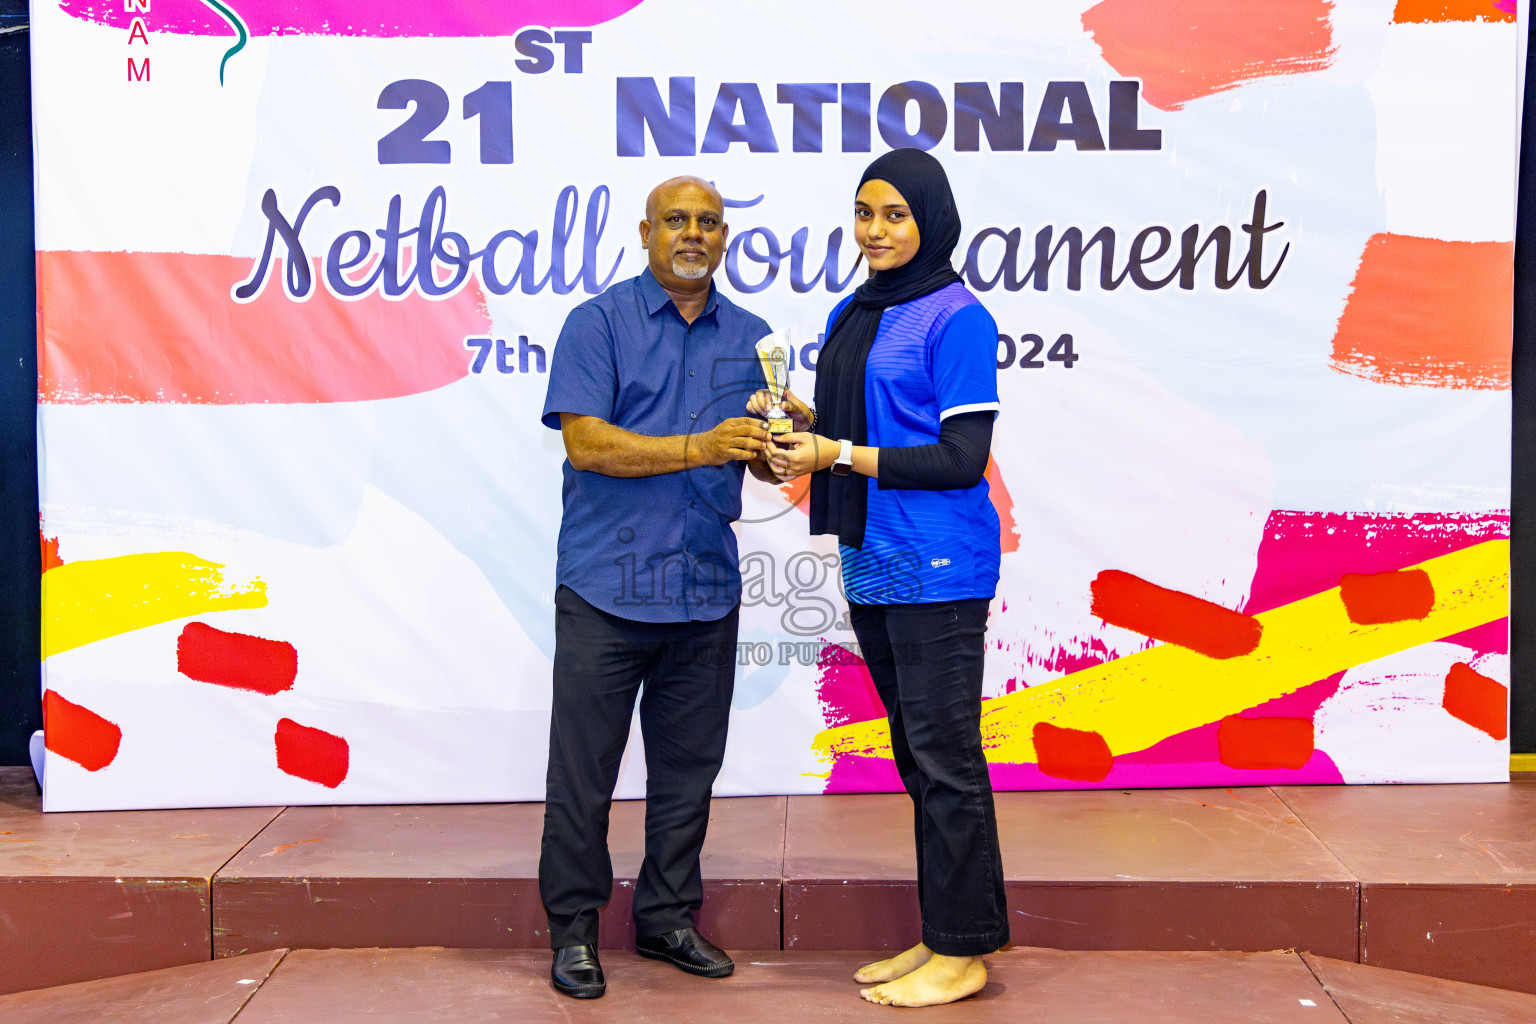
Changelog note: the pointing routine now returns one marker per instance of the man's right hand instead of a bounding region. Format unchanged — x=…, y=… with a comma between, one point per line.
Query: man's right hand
x=737, y=439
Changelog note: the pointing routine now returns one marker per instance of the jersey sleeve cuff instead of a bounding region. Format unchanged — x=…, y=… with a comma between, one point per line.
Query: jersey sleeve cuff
x=956, y=410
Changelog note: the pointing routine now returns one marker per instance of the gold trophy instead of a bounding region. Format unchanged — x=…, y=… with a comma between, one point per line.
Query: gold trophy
x=773, y=357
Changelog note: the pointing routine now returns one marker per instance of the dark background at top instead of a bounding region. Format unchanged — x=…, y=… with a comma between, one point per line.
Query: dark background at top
x=20, y=558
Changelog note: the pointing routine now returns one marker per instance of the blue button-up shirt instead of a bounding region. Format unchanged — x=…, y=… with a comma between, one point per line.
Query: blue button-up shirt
x=656, y=548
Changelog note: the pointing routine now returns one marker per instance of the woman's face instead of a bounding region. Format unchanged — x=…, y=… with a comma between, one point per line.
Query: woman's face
x=883, y=226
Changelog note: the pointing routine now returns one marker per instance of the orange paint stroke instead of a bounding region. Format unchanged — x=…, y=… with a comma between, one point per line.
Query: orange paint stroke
x=1265, y=744
x=51, y=557
x=1449, y=10
x=1377, y=597
x=798, y=493
x=1185, y=49
x=1429, y=313
x=1076, y=754
x=162, y=327
x=79, y=734
x=1473, y=698
x=1003, y=502
x=1130, y=602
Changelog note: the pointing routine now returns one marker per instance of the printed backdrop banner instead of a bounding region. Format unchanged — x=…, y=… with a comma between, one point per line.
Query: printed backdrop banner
x=302, y=267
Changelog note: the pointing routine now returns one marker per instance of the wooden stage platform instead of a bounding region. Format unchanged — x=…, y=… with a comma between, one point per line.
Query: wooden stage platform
x=1041, y=986
x=1434, y=880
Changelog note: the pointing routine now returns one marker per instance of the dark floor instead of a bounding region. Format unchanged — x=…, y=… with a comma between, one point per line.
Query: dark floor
x=467, y=986
x=1438, y=880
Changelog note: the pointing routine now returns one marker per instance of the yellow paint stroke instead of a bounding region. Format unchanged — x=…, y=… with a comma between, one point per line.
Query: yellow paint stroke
x=1144, y=698
x=91, y=600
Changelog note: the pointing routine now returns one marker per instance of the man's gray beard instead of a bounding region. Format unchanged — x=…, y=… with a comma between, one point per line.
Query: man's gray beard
x=690, y=271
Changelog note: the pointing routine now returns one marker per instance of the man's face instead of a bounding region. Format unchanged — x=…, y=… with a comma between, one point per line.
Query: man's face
x=683, y=234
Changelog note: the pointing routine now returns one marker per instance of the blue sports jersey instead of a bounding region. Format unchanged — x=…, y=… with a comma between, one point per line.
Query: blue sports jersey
x=932, y=358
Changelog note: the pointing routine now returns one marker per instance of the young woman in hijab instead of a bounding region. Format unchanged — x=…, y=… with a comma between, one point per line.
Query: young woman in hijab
x=906, y=391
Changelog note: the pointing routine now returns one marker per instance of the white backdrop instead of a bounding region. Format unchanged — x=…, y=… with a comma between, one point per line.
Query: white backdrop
x=301, y=545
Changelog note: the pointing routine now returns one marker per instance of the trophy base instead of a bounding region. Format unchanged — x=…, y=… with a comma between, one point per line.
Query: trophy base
x=777, y=428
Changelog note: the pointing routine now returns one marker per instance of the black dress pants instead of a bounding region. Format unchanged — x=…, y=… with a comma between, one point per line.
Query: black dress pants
x=926, y=662
x=601, y=661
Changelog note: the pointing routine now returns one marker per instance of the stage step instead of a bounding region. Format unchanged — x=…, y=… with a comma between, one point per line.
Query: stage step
x=467, y=875
x=469, y=986
x=1146, y=869
x=1440, y=880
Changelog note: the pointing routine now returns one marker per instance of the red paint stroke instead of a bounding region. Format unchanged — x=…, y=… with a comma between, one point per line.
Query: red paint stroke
x=1429, y=313
x=1305, y=553
x=1121, y=599
x=162, y=327
x=1185, y=49
x=997, y=490
x=1375, y=598
x=236, y=660
x=51, y=559
x=1481, y=702
x=378, y=18
x=1263, y=744
x=1076, y=754
x=1420, y=11
x=311, y=754
x=78, y=733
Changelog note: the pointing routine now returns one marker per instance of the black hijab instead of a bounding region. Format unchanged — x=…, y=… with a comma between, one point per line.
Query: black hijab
x=839, y=504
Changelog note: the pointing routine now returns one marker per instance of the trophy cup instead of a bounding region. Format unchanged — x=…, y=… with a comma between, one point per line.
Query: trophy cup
x=773, y=357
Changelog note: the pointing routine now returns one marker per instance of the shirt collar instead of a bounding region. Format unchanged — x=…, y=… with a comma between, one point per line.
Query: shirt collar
x=657, y=299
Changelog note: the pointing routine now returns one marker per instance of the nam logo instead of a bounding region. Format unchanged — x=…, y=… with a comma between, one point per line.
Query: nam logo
x=138, y=32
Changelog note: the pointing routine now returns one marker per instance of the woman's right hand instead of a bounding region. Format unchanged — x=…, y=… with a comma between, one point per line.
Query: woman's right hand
x=800, y=415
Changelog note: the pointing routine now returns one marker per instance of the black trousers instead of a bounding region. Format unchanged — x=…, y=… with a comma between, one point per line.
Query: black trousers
x=926, y=661
x=601, y=660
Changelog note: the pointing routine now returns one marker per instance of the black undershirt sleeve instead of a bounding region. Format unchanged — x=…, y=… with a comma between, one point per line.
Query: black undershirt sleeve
x=958, y=461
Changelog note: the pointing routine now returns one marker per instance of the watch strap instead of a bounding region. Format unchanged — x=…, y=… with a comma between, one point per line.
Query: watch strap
x=843, y=464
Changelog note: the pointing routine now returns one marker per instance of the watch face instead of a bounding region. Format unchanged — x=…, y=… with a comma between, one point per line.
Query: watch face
x=841, y=469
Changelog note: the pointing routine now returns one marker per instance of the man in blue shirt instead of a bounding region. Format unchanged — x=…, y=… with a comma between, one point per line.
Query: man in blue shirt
x=643, y=380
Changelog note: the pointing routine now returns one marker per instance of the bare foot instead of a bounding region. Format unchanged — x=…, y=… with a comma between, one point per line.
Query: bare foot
x=943, y=979
x=895, y=967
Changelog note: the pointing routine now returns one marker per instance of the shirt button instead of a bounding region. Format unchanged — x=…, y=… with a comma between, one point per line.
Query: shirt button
x=690, y=373
x=693, y=415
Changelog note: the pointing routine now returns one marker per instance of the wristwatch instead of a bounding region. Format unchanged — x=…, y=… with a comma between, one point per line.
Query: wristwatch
x=844, y=464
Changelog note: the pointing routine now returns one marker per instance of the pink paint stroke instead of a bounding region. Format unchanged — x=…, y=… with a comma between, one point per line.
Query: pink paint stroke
x=1318, y=771
x=378, y=18
x=1305, y=553
x=845, y=689
x=1302, y=553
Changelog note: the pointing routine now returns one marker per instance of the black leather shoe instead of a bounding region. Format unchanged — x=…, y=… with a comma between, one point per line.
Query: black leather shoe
x=577, y=973
x=687, y=950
